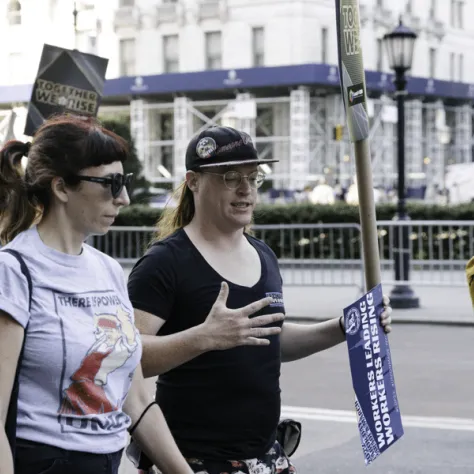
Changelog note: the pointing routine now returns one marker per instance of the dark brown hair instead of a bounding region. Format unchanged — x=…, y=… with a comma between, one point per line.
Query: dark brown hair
x=61, y=147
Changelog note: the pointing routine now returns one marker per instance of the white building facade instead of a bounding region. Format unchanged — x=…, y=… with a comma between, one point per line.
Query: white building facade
x=267, y=66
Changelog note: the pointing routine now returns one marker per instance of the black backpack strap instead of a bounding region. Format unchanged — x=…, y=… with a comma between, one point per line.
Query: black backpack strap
x=25, y=271
x=10, y=424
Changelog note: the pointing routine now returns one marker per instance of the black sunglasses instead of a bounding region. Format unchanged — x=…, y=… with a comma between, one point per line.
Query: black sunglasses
x=117, y=181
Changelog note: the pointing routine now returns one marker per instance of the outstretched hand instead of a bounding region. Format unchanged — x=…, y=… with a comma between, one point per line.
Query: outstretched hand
x=226, y=328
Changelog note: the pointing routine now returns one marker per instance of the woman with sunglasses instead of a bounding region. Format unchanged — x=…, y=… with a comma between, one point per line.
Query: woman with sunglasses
x=195, y=291
x=66, y=322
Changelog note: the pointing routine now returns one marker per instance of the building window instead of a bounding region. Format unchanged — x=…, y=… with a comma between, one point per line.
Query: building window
x=409, y=6
x=126, y=3
x=213, y=50
x=432, y=57
x=171, y=53
x=457, y=14
x=86, y=42
x=433, y=9
x=324, y=45
x=452, y=14
x=127, y=57
x=14, y=12
x=379, y=55
x=92, y=44
x=258, y=46
x=460, y=11
x=461, y=68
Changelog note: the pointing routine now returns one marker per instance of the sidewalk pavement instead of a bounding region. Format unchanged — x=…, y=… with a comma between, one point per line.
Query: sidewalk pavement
x=438, y=305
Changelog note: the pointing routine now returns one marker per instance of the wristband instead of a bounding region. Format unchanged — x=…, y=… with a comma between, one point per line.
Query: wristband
x=134, y=427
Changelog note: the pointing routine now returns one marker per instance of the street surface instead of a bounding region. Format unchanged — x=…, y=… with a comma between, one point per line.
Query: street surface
x=433, y=367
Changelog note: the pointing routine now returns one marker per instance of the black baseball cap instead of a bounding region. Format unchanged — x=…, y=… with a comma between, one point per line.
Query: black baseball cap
x=221, y=146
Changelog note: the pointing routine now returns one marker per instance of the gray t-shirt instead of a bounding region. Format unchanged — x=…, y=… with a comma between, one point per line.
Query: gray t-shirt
x=81, y=348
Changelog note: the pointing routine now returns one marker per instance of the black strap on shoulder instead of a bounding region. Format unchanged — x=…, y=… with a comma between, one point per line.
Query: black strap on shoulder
x=10, y=424
x=25, y=271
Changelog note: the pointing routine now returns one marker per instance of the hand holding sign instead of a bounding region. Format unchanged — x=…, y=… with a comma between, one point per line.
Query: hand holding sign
x=385, y=317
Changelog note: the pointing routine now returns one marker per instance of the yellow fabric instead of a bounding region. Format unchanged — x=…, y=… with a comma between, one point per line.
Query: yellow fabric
x=470, y=278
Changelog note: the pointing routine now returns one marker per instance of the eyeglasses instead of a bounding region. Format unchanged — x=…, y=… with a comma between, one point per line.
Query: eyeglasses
x=116, y=181
x=233, y=179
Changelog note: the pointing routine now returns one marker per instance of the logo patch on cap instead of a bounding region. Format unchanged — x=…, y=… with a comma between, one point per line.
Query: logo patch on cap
x=206, y=147
x=246, y=139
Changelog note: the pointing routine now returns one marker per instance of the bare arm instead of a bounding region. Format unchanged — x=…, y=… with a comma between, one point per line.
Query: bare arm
x=301, y=340
x=223, y=328
x=163, y=353
x=11, y=339
x=152, y=433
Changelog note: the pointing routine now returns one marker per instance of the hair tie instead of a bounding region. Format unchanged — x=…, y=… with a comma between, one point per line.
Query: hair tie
x=26, y=148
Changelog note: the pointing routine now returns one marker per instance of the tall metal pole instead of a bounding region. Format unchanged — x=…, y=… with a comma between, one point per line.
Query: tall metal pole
x=402, y=296
x=401, y=92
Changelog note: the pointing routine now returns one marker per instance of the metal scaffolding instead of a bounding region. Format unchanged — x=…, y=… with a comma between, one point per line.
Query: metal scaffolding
x=299, y=138
x=435, y=142
x=298, y=129
x=382, y=138
x=413, y=141
x=7, y=121
x=139, y=128
x=463, y=134
x=183, y=130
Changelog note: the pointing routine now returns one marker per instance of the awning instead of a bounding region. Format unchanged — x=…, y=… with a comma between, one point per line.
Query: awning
x=252, y=79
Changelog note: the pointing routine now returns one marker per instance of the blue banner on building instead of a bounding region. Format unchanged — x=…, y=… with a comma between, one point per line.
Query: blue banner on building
x=325, y=75
x=378, y=413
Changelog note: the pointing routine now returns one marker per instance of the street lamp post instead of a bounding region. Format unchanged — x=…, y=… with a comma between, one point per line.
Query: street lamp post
x=74, y=14
x=400, y=44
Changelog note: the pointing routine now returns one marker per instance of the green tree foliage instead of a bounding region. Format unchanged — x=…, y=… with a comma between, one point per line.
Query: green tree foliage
x=139, y=192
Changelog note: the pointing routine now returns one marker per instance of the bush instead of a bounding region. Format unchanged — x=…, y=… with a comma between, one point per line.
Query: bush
x=447, y=242
x=441, y=242
x=140, y=215
x=139, y=190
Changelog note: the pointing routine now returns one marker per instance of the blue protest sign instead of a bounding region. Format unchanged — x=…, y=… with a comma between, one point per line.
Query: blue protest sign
x=378, y=413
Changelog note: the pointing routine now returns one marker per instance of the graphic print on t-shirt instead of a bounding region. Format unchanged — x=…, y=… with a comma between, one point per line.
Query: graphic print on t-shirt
x=91, y=391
